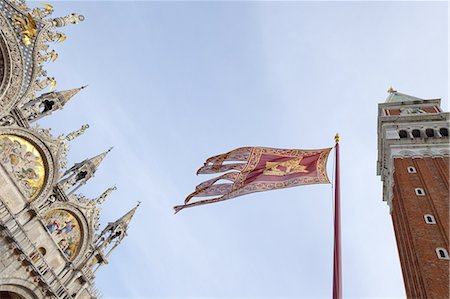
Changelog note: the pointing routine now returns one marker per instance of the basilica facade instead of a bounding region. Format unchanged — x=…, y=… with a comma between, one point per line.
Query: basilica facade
x=51, y=243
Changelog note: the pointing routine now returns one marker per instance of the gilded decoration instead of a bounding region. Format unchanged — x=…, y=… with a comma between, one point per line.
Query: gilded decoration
x=26, y=29
x=284, y=168
x=24, y=162
x=65, y=230
x=29, y=29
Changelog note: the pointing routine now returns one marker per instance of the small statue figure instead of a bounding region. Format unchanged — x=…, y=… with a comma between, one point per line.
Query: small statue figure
x=56, y=37
x=73, y=180
x=59, y=37
x=75, y=134
x=40, y=72
x=105, y=194
x=41, y=13
x=7, y=120
x=46, y=82
x=47, y=56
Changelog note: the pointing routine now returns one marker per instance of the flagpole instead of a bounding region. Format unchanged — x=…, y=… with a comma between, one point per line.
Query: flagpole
x=337, y=271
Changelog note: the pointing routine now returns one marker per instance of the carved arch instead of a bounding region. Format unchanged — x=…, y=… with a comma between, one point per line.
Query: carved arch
x=21, y=287
x=85, y=228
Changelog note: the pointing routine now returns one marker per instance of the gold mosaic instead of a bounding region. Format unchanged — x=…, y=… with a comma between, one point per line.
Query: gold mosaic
x=24, y=162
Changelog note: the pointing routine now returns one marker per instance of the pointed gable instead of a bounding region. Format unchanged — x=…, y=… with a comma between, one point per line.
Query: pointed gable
x=397, y=97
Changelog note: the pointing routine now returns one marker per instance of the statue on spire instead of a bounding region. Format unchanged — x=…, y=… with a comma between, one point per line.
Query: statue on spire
x=41, y=13
x=42, y=84
x=115, y=232
x=47, y=56
x=105, y=194
x=75, y=134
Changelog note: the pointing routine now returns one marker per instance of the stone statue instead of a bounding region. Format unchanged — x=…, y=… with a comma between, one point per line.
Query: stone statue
x=45, y=82
x=41, y=13
x=105, y=194
x=47, y=56
x=75, y=134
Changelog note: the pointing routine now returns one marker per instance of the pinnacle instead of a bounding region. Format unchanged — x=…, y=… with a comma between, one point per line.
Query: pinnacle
x=66, y=95
x=126, y=219
x=99, y=158
x=105, y=194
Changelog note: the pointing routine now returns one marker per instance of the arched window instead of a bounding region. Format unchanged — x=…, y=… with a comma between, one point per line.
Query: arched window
x=402, y=134
x=429, y=219
x=420, y=192
x=444, y=132
x=412, y=169
x=429, y=132
x=442, y=253
x=415, y=133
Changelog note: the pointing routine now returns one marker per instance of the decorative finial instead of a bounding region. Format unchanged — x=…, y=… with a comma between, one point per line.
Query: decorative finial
x=105, y=194
x=99, y=158
x=73, y=18
x=75, y=134
x=391, y=89
x=337, y=137
x=138, y=203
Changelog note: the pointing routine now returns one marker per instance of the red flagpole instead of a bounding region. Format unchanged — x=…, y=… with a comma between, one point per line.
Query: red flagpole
x=337, y=271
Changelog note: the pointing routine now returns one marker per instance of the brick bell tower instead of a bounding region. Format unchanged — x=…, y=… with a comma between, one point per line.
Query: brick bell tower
x=413, y=162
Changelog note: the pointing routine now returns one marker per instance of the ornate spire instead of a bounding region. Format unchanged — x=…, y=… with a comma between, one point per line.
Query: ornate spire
x=95, y=161
x=65, y=95
x=105, y=194
x=115, y=232
x=48, y=103
x=125, y=220
x=81, y=172
x=75, y=134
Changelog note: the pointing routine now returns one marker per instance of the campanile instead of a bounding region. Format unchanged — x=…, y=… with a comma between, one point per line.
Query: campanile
x=413, y=162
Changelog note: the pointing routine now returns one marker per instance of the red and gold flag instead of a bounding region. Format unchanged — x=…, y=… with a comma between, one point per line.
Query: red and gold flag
x=256, y=169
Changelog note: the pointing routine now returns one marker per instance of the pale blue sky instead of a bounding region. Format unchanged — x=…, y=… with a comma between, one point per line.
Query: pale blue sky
x=173, y=83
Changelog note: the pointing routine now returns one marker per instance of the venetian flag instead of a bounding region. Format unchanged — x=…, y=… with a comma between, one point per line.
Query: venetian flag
x=256, y=169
